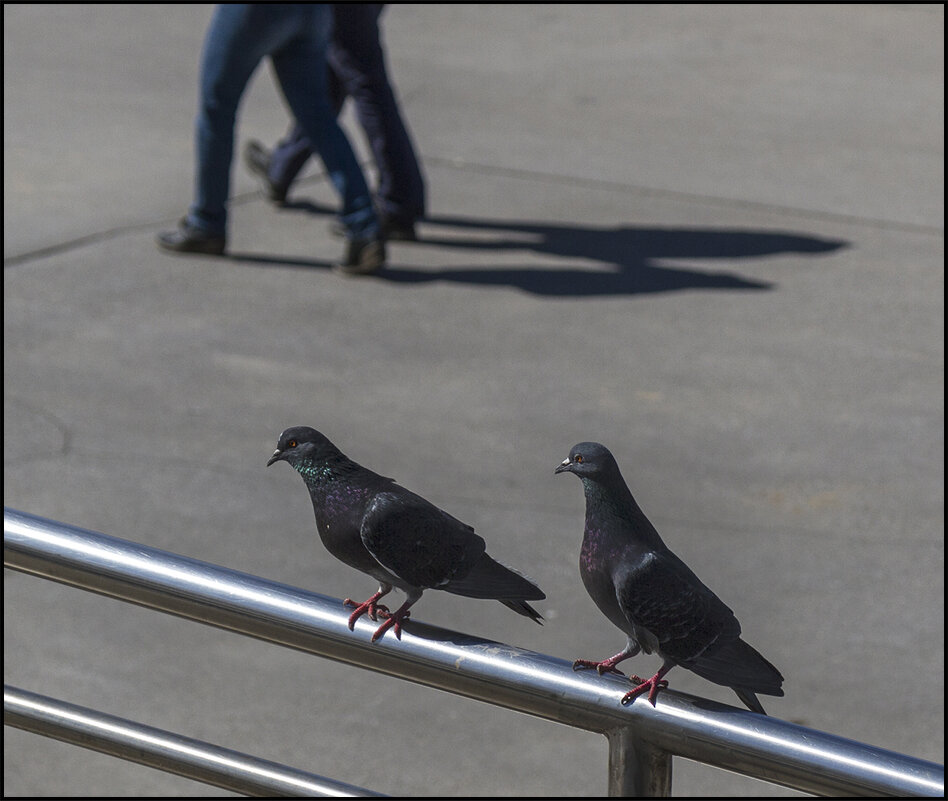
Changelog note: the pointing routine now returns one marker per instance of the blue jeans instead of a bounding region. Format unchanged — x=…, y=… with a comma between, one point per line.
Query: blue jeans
x=296, y=38
x=357, y=69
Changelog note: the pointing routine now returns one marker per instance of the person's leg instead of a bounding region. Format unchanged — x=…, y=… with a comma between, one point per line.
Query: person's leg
x=357, y=58
x=238, y=38
x=300, y=66
x=288, y=157
x=282, y=164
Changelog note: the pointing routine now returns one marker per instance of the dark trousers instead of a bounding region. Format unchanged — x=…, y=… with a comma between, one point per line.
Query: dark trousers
x=357, y=70
x=296, y=38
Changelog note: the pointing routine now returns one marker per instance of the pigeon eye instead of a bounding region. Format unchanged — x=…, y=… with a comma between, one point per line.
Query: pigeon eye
x=578, y=458
x=291, y=444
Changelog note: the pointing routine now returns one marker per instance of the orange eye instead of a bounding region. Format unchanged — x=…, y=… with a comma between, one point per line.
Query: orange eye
x=578, y=458
x=291, y=443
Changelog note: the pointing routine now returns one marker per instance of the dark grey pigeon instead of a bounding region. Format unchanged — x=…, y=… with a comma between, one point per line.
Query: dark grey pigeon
x=649, y=593
x=396, y=536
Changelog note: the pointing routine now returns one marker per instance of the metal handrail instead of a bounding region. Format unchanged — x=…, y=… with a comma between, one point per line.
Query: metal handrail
x=642, y=739
x=172, y=753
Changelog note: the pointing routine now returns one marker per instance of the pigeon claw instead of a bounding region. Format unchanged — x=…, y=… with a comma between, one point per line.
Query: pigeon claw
x=369, y=607
x=653, y=685
x=606, y=666
x=393, y=621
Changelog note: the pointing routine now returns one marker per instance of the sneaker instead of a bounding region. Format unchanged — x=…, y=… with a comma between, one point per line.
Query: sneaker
x=362, y=257
x=189, y=239
x=257, y=159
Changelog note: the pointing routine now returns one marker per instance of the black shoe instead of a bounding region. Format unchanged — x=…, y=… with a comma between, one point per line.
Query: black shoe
x=188, y=239
x=390, y=230
x=362, y=257
x=257, y=159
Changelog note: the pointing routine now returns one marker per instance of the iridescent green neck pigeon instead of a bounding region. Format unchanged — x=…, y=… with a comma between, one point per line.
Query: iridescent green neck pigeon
x=649, y=593
x=397, y=537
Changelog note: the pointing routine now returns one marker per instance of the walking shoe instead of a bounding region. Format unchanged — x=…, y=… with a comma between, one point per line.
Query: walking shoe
x=257, y=159
x=362, y=257
x=188, y=239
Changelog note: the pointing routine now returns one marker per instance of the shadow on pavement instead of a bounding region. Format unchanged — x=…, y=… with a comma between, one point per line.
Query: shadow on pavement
x=621, y=260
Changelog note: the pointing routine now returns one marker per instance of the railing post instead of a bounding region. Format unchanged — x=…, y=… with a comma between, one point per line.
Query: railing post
x=637, y=769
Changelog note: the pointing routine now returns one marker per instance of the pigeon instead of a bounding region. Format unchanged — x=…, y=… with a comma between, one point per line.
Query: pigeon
x=649, y=593
x=397, y=537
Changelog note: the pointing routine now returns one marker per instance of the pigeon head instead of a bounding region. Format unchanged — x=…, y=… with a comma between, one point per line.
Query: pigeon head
x=589, y=460
x=301, y=443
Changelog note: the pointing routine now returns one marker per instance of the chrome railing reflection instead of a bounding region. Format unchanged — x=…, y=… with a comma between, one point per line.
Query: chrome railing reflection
x=642, y=739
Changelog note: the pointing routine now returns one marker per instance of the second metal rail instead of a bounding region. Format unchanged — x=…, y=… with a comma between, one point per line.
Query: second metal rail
x=162, y=750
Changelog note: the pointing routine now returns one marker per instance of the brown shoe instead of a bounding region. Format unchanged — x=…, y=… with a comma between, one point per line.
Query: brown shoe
x=362, y=257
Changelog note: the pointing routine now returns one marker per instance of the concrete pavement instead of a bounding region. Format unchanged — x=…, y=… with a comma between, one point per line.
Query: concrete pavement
x=709, y=237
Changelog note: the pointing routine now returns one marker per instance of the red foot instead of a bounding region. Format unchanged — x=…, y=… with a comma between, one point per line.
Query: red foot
x=653, y=685
x=606, y=666
x=369, y=607
x=394, y=621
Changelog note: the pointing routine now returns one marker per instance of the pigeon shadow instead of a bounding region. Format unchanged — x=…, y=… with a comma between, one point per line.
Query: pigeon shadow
x=617, y=260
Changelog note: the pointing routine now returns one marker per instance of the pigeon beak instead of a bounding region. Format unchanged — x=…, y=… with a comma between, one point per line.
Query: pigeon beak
x=277, y=455
x=564, y=467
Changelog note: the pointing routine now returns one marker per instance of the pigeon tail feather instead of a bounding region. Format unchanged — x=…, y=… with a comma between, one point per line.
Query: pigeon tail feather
x=750, y=700
x=523, y=608
x=736, y=664
x=490, y=579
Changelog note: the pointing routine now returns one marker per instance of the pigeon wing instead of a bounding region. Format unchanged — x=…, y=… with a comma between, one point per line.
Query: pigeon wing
x=670, y=610
x=418, y=542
